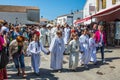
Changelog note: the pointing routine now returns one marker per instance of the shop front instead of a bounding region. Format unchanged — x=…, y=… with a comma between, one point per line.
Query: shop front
x=112, y=19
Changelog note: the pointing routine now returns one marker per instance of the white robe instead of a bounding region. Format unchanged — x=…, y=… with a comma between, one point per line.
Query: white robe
x=74, y=54
x=92, y=47
x=34, y=50
x=49, y=36
x=43, y=32
x=66, y=35
x=57, y=49
x=84, y=46
x=53, y=32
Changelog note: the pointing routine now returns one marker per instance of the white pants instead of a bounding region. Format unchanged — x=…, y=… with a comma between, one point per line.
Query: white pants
x=93, y=55
x=86, y=56
x=49, y=40
x=35, y=61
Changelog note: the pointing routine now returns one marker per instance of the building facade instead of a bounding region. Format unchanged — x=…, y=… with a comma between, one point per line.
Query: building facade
x=89, y=10
x=65, y=19
x=109, y=12
x=19, y=14
x=69, y=18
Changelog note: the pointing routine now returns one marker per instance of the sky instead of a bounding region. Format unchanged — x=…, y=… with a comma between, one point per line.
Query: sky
x=49, y=9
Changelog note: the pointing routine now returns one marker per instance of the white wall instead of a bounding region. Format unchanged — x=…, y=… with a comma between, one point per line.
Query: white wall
x=10, y=17
x=108, y=4
x=86, y=12
x=62, y=20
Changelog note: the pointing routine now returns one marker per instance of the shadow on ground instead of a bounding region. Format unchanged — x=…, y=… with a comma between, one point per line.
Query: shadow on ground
x=45, y=74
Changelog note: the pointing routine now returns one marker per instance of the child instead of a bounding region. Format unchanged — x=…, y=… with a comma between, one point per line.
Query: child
x=92, y=47
x=57, y=49
x=34, y=49
x=74, y=52
x=84, y=47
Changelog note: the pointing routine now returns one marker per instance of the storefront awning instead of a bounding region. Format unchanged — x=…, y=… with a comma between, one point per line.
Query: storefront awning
x=106, y=14
x=82, y=20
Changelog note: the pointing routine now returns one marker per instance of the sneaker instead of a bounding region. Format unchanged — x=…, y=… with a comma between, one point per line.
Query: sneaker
x=86, y=66
x=103, y=61
x=38, y=74
x=74, y=70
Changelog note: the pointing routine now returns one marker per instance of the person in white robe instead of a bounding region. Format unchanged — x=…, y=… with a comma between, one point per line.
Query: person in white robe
x=92, y=47
x=34, y=49
x=43, y=32
x=57, y=49
x=74, y=52
x=84, y=47
x=53, y=32
x=48, y=35
x=66, y=34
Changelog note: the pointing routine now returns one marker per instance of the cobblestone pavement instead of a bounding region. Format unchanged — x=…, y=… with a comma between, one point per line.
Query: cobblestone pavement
x=108, y=71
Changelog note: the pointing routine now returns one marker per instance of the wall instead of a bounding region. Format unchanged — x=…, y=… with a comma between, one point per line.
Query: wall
x=108, y=4
x=62, y=20
x=78, y=15
x=11, y=17
x=33, y=15
x=86, y=12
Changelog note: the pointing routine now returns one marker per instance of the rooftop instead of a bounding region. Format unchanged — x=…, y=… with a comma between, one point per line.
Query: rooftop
x=43, y=19
x=71, y=13
x=11, y=8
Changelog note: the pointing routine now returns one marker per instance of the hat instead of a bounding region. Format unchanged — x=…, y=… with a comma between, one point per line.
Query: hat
x=20, y=38
x=37, y=33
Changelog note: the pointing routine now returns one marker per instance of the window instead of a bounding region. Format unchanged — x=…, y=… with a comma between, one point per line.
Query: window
x=113, y=1
x=103, y=4
x=97, y=5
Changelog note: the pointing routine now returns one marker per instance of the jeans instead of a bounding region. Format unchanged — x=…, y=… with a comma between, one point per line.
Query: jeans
x=102, y=51
x=20, y=60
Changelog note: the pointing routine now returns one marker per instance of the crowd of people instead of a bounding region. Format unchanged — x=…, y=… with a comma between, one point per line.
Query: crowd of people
x=81, y=43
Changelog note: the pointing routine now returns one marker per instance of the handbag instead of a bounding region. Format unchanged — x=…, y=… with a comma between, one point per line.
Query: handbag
x=4, y=59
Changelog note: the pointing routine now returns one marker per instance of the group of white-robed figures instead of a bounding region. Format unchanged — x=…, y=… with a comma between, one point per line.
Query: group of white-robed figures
x=82, y=46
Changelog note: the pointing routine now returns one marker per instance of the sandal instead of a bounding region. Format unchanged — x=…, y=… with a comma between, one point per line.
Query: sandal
x=24, y=75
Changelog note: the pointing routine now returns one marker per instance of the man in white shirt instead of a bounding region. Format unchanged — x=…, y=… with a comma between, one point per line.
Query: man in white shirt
x=5, y=27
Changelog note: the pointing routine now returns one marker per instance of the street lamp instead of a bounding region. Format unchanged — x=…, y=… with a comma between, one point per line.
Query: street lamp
x=72, y=17
x=16, y=20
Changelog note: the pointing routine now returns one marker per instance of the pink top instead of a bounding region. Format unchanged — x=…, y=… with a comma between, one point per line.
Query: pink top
x=97, y=36
x=1, y=42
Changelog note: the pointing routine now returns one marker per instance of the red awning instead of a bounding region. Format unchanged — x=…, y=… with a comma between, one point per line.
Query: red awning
x=103, y=13
x=107, y=11
x=82, y=20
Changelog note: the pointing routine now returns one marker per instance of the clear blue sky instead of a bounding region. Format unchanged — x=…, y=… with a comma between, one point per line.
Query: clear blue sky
x=49, y=8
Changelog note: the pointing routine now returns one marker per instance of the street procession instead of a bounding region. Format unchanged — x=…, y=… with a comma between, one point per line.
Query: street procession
x=43, y=49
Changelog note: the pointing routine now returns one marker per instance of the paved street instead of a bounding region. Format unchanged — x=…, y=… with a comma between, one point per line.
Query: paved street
x=108, y=71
